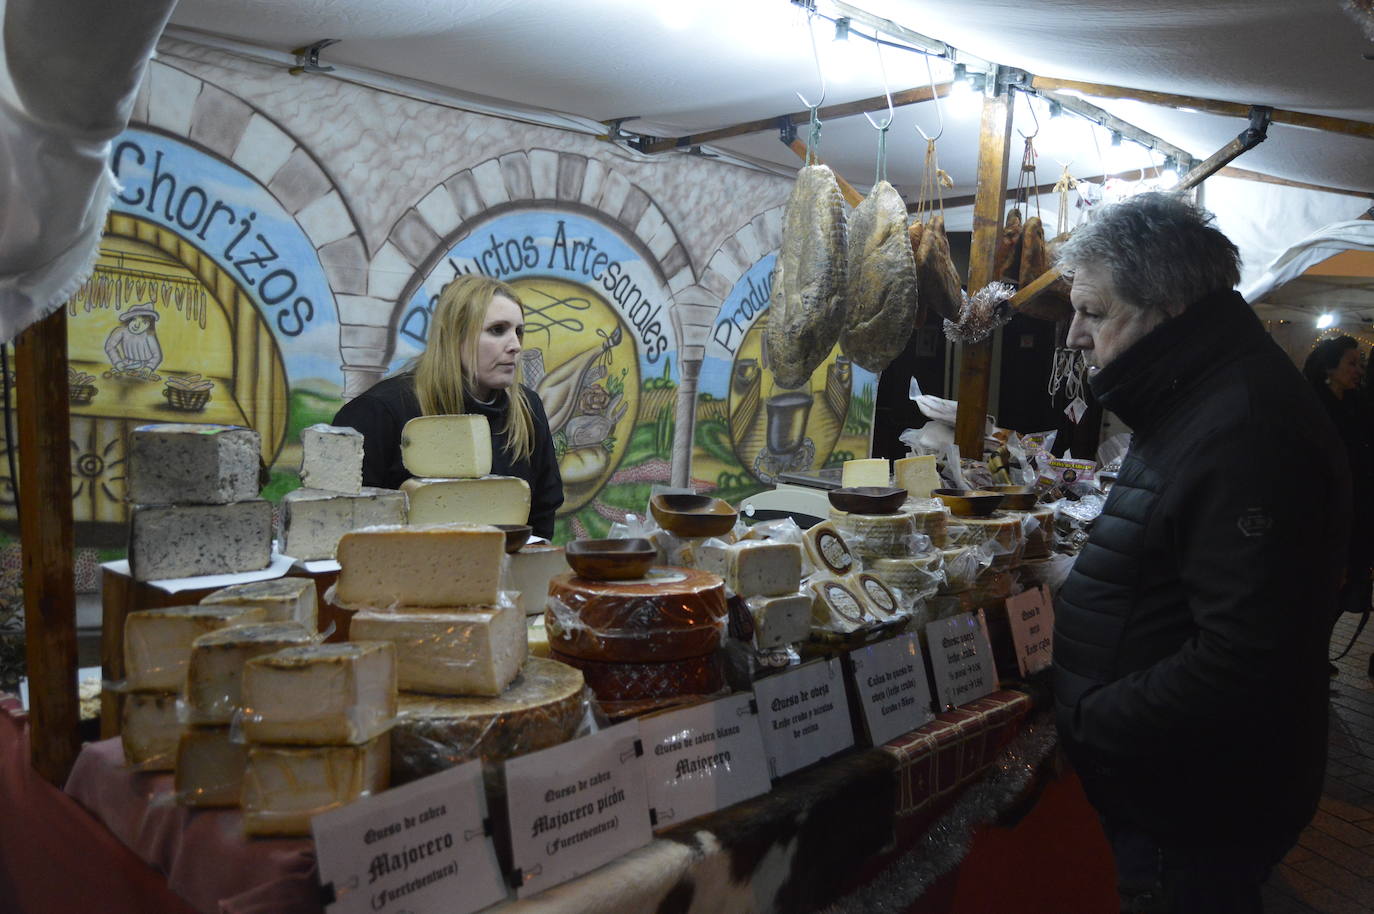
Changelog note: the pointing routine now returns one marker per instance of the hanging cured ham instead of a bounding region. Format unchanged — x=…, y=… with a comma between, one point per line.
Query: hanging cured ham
x=936, y=278
x=881, y=308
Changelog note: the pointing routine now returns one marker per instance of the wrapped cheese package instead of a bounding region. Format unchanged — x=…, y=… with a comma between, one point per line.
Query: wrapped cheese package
x=320, y=694
x=881, y=536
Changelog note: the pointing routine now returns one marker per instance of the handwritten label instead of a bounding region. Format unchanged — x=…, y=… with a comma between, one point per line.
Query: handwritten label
x=576, y=806
x=703, y=758
x=1031, y=614
x=890, y=679
x=804, y=716
x=420, y=848
x=961, y=659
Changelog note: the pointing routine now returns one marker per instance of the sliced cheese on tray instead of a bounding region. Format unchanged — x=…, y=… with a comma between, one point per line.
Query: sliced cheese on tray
x=320, y=694
x=209, y=767
x=440, y=565
x=477, y=651
x=282, y=599
x=149, y=730
x=488, y=500
x=214, y=679
x=284, y=787
x=447, y=446
x=157, y=642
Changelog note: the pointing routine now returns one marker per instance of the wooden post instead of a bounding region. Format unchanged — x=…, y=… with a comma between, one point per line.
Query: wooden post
x=45, y=530
x=994, y=150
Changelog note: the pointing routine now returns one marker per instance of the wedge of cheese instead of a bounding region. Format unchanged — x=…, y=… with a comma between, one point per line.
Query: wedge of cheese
x=529, y=571
x=320, y=694
x=157, y=642
x=210, y=767
x=754, y=568
x=455, y=447
x=868, y=471
x=489, y=500
x=472, y=652
x=441, y=565
x=879, y=599
x=188, y=463
x=837, y=608
x=780, y=621
x=149, y=730
x=282, y=599
x=332, y=458
x=918, y=475
x=826, y=550
x=313, y=520
x=284, y=787
x=214, y=679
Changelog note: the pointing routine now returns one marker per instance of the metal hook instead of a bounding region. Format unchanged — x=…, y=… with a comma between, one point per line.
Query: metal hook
x=819, y=74
x=887, y=91
x=939, y=112
x=1030, y=103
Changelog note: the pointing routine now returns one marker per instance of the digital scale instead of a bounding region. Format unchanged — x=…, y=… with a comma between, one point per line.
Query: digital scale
x=800, y=496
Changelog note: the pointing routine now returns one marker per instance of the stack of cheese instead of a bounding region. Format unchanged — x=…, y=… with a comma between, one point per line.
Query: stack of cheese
x=196, y=509
x=766, y=574
x=998, y=533
x=1038, y=528
x=450, y=458
x=433, y=591
x=333, y=499
x=845, y=599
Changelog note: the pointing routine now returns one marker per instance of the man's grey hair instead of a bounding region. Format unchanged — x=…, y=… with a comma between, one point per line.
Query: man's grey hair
x=1160, y=250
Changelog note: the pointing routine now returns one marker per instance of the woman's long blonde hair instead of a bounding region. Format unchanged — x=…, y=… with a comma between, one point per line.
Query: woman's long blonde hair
x=443, y=372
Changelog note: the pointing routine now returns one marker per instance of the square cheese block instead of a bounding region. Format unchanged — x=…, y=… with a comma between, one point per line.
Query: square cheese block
x=210, y=767
x=282, y=599
x=529, y=571
x=475, y=652
x=184, y=541
x=285, y=786
x=313, y=520
x=918, y=475
x=489, y=500
x=182, y=463
x=452, y=447
x=332, y=458
x=157, y=642
x=149, y=729
x=754, y=568
x=868, y=471
x=780, y=621
x=438, y=565
x=214, y=680
x=320, y=694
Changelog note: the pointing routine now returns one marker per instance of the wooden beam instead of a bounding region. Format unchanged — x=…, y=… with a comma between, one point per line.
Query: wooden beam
x=975, y=370
x=1246, y=175
x=851, y=196
x=45, y=529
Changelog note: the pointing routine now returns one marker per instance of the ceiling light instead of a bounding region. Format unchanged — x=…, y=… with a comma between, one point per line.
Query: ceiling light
x=1326, y=320
x=1168, y=178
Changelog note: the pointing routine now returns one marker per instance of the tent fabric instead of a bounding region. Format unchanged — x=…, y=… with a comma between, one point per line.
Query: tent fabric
x=1355, y=235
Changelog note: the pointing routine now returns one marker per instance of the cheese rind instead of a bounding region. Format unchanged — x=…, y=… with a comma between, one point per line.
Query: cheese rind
x=827, y=550
x=672, y=614
x=878, y=597
x=320, y=694
x=183, y=541
x=866, y=471
x=149, y=730
x=441, y=565
x=332, y=458
x=285, y=786
x=529, y=571
x=488, y=500
x=313, y=521
x=472, y=652
x=454, y=447
x=780, y=621
x=157, y=642
x=188, y=463
x=214, y=679
x=281, y=599
x=649, y=682
x=837, y=608
x=918, y=475
x=754, y=568
x=876, y=536
x=916, y=576
x=209, y=769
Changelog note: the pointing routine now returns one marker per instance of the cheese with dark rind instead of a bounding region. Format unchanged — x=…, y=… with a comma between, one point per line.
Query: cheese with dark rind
x=635, y=682
x=543, y=707
x=827, y=550
x=209, y=768
x=186, y=541
x=214, y=678
x=157, y=642
x=320, y=694
x=672, y=614
x=440, y=565
x=472, y=651
x=313, y=520
x=192, y=464
x=149, y=730
x=284, y=787
x=281, y=599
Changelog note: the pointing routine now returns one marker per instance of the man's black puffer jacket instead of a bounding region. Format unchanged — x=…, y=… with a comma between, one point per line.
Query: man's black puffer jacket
x=1190, y=637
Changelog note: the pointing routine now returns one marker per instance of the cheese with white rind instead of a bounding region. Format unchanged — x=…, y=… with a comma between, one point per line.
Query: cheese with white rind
x=876, y=536
x=827, y=550
x=836, y=608
x=332, y=458
x=214, y=679
x=477, y=651
x=488, y=500
x=313, y=521
x=671, y=614
x=149, y=730
x=184, y=541
x=916, y=576
x=210, y=767
x=284, y=787
x=320, y=694
x=528, y=573
x=452, y=447
x=157, y=642
x=754, y=568
x=918, y=475
x=780, y=621
x=444, y=565
x=543, y=707
x=537, y=636
x=187, y=463
x=878, y=597
x=867, y=471
x=281, y=599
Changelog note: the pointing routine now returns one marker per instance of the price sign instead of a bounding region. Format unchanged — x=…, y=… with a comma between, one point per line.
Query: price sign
x=804, y=715
x=890, y=680
x=1031, y=617
x=961, y=659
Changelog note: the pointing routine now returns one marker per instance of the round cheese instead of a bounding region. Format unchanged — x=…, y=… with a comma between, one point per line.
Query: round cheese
x=962, y=567
x=637, y=682
x=672, y=614
x=930, y=517
x=1039, y=536
x=915, y=576
x=874, y=536
x=1001, y=530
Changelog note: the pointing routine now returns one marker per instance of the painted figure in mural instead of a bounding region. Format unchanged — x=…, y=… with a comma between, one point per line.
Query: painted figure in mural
x=132, y=347
x=471, y=364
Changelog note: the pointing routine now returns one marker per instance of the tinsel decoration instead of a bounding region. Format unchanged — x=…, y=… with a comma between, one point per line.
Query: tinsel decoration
x=946, y=843
x=982, y=312
x=1362, y=11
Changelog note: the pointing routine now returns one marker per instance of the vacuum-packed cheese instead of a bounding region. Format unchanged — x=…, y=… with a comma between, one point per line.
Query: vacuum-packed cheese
x=488, y=500
x=875, y=536
x=455, y=447
x=754, y=568
x=650, y=682
x=183, y=541
x=1002, y=533
x=441, y=565
x=209, y=770
x=157, y=642
x=529, y=571
x=281, y=599
x=780, y=621
x=149, y=730
x=476, y=651
x=284, y=787
x=214, y=679
x=187, y=463
x=332, y=458
x=826, y=550
x=313, y=520
x=1037, y=527
x=866, y=471
x=878, y=597
x=671, y=614
x=837, y=608
x=537, y=636
x=918, y=475
x=915, y=576
x=320, y=694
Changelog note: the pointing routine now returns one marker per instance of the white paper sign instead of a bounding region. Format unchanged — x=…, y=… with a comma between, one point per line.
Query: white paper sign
x=703, y=758
x=961, y=659
x=890, y=680
x=804, y=715
x=1031, y=614
x=420, y=848
x=576, y=806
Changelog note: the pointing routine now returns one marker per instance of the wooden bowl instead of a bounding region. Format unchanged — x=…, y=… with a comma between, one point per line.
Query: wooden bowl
x=516, y=535
x=611, y=560
x=868, y=499
x=693, y=515
x=969, y=502
x=1016, y=498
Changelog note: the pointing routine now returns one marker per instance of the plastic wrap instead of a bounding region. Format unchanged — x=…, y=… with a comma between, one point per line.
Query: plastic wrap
x=1073, y=519
x=964, y=565
x=1037, y=532
x=671, y=614
x=547, y=704
x=323, y=694
x=879, y=536
x=627, y=689
x=782, y=530
x=824, y=551
x=157, y=642
x=780, y=621
x=753, y=568
x=285, y=599
x=915, y=577
x=881, y=600
x=1111, y=452
x=285, y=786
x=931, y=518
x=214, y=676
x=1000, y=532
x=150, y=727
x=992, y=587
x=209, y=767
x=1049, y=572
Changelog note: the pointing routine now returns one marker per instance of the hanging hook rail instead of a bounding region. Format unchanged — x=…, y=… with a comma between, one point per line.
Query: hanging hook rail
x=881, y=172
x=939, y=111
x=1030, y=104
x=813, y=138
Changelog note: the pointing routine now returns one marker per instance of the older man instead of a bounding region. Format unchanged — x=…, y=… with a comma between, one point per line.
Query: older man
x=1190, y=637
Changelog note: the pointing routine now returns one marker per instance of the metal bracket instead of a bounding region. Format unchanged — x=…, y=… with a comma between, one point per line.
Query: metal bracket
x=1261, y=117
x=308, y=57
x=787, y=131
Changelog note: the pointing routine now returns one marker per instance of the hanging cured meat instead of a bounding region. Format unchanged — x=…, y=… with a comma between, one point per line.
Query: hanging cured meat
x=1035, y=257
x=807, y=304
x=1053, y=303
x=1007, y=259
x=881, y=308
x=936, y=278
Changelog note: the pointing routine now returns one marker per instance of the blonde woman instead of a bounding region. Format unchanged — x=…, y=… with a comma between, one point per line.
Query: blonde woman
x=470, y=365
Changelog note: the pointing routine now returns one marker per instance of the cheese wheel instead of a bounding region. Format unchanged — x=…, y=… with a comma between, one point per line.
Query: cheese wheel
x=672, y=614
x=999, y=529
x=625, y=682
x=992, y=588
x=962, y=567
x=876, y=536
x=543, y=707
x=284, y=787
x=915, y=576
x=837, y=608
x=1039, y=539
x=880, y=601
x=827, y=550
x=931, y=518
